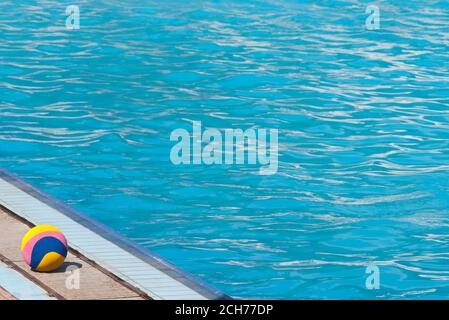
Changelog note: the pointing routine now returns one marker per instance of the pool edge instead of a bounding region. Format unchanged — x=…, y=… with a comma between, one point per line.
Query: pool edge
x=120, y=240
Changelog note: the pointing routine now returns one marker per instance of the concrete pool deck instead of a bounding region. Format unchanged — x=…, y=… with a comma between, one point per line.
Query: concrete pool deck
x=108, y=265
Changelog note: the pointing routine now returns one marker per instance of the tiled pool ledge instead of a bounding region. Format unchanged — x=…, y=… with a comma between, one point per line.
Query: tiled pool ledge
x=14, y=285
x=137, y=266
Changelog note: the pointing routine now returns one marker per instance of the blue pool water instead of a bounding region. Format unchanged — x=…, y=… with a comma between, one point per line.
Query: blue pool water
x=363, y=120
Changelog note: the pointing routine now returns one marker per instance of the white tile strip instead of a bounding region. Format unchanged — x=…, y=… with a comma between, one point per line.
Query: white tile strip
x=19, y=286
x=107, y=254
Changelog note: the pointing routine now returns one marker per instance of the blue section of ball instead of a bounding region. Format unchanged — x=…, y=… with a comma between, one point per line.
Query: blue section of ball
x=44, y=246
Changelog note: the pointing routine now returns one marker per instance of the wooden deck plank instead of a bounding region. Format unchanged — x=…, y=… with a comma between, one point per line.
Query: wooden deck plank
x=5, y=295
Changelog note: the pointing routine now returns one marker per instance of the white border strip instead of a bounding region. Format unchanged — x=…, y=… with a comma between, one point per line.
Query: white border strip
x=19, y=286
x=157, y=284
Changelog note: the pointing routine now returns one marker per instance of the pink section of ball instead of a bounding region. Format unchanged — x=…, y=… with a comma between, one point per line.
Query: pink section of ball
x=28, y=249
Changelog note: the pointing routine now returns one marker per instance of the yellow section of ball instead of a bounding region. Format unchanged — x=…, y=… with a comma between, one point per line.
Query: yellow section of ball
x=51, y=261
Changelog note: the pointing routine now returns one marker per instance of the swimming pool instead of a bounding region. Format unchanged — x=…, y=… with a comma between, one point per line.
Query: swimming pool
x=87, y=114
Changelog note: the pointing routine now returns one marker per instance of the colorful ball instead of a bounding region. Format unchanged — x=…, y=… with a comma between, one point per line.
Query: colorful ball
x=44, y=248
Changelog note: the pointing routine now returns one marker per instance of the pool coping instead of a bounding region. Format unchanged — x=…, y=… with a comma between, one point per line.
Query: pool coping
x=205, y=290
x=17, y=283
